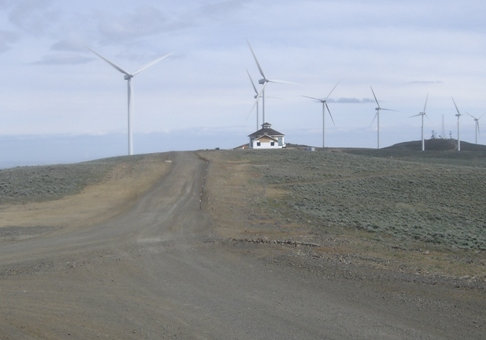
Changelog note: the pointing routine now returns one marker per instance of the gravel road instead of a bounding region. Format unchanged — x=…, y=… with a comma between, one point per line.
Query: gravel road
x=158, y=271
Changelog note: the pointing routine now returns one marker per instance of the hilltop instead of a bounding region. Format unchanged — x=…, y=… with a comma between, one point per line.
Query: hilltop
x=168, y=245
x=436, y=144
x=399, y=203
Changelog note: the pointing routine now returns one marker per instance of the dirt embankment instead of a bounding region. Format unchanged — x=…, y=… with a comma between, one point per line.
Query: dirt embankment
x=41, y=199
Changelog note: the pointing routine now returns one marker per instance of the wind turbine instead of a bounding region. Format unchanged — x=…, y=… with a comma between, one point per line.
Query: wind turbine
x=257, y=97
x=458, y=115
x=377, y=116
x=476, y=126
x=128, y=77
x=264, y=81
x=324, y=108
x=423, y=113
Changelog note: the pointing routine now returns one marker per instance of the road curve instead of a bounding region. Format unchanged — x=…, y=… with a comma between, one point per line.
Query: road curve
x=157, y=271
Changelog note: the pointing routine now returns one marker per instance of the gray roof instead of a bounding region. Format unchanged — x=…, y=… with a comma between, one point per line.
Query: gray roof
x=266, y=131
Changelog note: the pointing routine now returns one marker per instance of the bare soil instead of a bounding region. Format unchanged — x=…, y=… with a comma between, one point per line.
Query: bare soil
x=185, y=245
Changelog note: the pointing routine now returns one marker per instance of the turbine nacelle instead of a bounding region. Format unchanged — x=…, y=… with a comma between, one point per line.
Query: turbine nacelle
x=263, y=81
x=128, y=76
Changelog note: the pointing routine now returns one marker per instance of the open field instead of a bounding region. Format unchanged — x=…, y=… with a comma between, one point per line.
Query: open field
x=235, y=244
x=421, y=213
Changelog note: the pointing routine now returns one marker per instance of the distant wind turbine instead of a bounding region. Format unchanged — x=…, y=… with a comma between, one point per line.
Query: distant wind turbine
x=476, y=126
x=264, y=81
x=324, y=108
x=458, y=115
x=128, y=77
x=423, y=113
x=257, y=97
x=377, y=117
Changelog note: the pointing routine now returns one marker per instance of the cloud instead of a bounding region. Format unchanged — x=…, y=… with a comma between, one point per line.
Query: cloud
x=62, y=59
x=71, y=45
x=425, y=82
x=221, y=7
x=142, y=22
x=33, y=16
x=7, y=38
x=351, y=100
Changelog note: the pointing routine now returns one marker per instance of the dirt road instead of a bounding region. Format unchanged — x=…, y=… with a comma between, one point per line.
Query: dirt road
x=158, y=271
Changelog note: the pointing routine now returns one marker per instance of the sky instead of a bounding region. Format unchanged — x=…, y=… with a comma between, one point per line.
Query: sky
x=54, y=86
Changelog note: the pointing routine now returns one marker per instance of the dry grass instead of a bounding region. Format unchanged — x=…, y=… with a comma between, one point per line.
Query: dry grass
x=98, y=201
x=423, y=216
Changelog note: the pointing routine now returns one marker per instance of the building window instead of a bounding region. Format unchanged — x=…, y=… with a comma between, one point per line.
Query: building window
x=258, y=144
x=272, y=143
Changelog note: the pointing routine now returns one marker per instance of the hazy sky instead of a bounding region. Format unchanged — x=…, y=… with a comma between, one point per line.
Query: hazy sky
x=405, y=49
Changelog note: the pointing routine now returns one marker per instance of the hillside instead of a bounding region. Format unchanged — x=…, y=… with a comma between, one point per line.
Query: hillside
x=436, y=145
x=236, y=243
x=365, y=204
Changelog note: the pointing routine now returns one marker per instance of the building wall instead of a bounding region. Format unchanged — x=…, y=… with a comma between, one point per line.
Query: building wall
x=265, y=143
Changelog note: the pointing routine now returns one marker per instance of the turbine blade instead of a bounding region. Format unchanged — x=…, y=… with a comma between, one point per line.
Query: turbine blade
x=425, y=105
x=332, y=90
x=278, y=81
x=418, y=114
x=252, y=83
x=255, y=103
x=457, y=109
x=152, y=63
x=374, y=118
x=374, y=95
x=110, y=62
x=470, y=115
x=313, y=98
x=330, y=115
x=256, y=61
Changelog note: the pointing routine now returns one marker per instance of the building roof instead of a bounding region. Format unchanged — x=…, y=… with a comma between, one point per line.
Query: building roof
x=266, y=130
x=266, y=137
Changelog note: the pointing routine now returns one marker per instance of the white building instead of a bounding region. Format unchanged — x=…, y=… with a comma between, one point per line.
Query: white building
x=267, y=138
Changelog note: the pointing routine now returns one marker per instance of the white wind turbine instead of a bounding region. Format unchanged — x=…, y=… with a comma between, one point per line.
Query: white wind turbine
x=264, y=81
x=423, y=113
x=476, y=126
x=377, y=117
x=256, y=96
x=128, y=77
x=324, y=108
x=458, y=115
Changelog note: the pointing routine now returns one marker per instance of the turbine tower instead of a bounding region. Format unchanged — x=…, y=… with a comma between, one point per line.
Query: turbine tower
x=128, y=77
x=264, y=81
x=257, y=97
x=458, y=115
x=476, y=126
x=423, y=113
x=324, y=108
x=377, y=117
